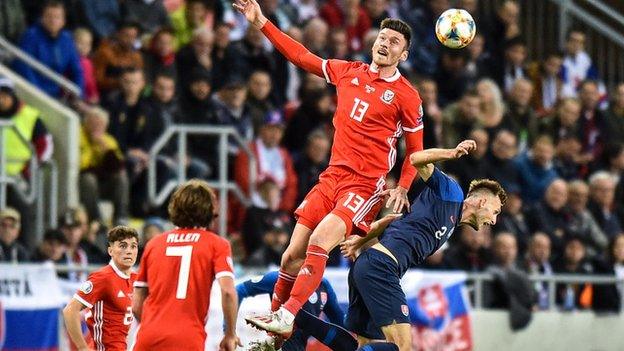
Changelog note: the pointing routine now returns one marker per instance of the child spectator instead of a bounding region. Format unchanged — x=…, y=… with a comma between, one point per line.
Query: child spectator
x=84, y=44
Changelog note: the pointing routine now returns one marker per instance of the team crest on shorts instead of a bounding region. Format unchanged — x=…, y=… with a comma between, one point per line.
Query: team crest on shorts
x=323, y=298
x=387, y=96
x=405, y=310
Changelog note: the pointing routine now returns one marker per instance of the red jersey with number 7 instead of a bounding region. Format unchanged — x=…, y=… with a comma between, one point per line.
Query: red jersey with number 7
x=108, y=294
x=371, y=115
x=178, y=268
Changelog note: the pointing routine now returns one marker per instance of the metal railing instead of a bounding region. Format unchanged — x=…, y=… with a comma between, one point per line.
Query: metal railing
x=550, y=279
x=18, y=53
x=223, y=185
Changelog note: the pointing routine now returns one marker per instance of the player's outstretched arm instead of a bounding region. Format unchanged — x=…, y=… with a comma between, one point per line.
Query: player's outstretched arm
x=349, y=248
x=71, y=315
x=229, y=304
x=424, y=160
x=290, y=48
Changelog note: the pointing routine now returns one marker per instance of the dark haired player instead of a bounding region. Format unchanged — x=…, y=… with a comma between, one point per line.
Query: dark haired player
x=376, y=106
x=108, y=294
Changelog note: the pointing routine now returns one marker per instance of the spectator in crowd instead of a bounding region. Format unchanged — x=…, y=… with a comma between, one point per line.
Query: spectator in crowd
x=152, y=227
x=592, y=123
x=338, y=45
x=550, y=214
x=569, y=159
x=231, y=109
x=258, y=100
x=479, y=65
x=613, y=162
x=377, y=11
x=492, y=106
x=511, y=288
x=102, y=16
x=10, y=249
x=13, y=20
x=581, y=223
x=160, y=56
x=602, y=204
x=350, y=15
x=254, y=55
x=314, y=161
x=570, y=296
x=75, y=257
x=128, y=110
x=273, y=161
x=306, y=10
x=577, y=65
x=84, y=44
x=473, y=165
x=52, y=248
x=432, y=114
x=115, y=55
x=425, y=52
x=44, y=38
x=615, y=114
x=512, y=67
x=537, y=261
x=102, y=170
x=192, y=15
x=260, y=216
x=564, y=122
x=499, y=164
x=451, y=75
x=608, y=297
x=314, y=112
x=513, y=219
x=547, y=82
x=274, y=241
x=520, y=117
x=460, y=118
x=536, y=169
x=194, y=57
x=150, y=14
x=225, y=59
x=89, y=242
x=504, y=26
x=28, y=122
x=470, y=253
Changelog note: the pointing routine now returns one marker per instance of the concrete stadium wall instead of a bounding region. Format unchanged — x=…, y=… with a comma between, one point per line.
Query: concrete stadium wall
x=552, y=331
x=64, y=124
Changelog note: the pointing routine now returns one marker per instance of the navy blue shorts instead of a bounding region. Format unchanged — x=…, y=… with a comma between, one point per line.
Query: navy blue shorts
x=375, y=295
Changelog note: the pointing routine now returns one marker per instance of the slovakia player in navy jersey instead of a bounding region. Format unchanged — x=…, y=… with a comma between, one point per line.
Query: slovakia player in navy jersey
x=377, y=304
x=322, y=300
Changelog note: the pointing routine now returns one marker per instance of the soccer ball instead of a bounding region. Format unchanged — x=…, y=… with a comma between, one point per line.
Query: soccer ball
x=455, y=28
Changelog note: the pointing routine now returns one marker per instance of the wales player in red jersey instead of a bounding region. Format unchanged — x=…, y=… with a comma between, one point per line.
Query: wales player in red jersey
x=172, y=291
x=376, y=106
x=108, y=295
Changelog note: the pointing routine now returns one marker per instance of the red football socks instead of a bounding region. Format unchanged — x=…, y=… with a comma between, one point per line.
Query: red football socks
x=282, y=289
x=308, y=279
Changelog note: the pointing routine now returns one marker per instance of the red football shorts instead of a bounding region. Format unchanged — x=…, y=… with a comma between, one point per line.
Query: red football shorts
x=354, y=198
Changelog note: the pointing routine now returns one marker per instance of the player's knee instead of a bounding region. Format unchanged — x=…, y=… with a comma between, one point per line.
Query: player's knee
x=291, y=261
x=399, y=335
x=329, y=233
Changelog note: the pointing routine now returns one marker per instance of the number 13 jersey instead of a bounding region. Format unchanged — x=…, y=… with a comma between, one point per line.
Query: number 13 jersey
x=371, y=114
x=178, y=268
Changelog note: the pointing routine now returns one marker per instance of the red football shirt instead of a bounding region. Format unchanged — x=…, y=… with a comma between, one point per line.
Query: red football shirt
x=178, y=268
x=108, y=294
x=372, y=113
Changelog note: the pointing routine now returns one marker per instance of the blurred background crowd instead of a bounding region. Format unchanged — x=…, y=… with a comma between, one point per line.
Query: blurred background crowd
x=548, y=129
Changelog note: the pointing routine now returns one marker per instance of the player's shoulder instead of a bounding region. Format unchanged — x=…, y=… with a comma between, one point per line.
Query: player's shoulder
x=101, y=274
x=405, y=87
x=452, y=191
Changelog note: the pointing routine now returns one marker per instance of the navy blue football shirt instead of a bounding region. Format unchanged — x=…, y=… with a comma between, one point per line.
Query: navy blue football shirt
x=433, y=217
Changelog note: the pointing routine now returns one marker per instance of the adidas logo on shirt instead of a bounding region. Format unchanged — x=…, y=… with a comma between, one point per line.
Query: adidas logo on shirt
x=121, y=294
x=355, y=81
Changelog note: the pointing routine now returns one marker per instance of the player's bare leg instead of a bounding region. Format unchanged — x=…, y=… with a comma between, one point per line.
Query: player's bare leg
x=399, y=334
x=327, y=235
x=363, y=340
x=292, y=260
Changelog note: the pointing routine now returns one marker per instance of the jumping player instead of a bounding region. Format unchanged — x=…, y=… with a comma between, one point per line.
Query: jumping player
x=376, y=106
x=377, y=304
x=172, y=291
x=323, y=300
x=108, y=295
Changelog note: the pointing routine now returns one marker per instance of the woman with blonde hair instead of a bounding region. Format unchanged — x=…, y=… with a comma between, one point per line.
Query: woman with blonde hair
x=492, y=105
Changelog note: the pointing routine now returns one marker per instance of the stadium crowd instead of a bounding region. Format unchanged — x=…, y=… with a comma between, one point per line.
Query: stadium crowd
x=548, y=130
